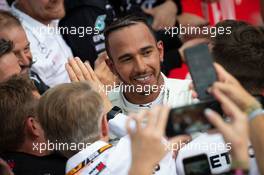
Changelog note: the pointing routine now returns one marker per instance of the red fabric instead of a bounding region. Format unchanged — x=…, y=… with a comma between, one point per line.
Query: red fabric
x=248, y=10
x=179, y=73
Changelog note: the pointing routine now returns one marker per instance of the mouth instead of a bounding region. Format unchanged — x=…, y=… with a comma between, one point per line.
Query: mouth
x=144, y=79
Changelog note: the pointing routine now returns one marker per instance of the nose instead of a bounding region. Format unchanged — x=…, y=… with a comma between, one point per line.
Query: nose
x=140, y=65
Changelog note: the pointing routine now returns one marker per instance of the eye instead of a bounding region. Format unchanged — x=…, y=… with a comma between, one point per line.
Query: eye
x=147, y=52
x=125, y=59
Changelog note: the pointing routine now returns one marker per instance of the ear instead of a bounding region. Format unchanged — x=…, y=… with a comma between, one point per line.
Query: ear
x=161, y=50
x=33, y=127
x=111, y=65
x=104, y=129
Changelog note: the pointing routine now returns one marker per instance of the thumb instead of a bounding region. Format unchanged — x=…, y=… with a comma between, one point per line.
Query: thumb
x=217, y=121
x=99, y=60
x=148, y=11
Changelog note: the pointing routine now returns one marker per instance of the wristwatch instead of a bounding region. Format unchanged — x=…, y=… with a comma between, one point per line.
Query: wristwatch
x=113, y=112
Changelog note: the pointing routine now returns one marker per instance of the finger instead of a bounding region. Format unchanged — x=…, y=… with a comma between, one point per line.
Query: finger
x=148, y=11
x=91, y=72
x=140, y=117
x=191, y=86
x=228, y=106
x=71, y=73
x=163, y=118
x=223, y=75
x=136, y=118
x=99, y=69
x=155, y=24
x=152, y=117
x=193, y=92
x=128, y=128
x=74, y=65
x=218, y=122
x=101, y=59
x=171, y=22
x=225, y=88
x=83, y=68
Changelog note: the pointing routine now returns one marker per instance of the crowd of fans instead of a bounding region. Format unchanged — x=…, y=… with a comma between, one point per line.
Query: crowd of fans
x=70, y=96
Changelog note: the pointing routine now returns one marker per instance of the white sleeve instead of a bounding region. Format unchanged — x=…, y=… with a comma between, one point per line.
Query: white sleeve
x=117, y=125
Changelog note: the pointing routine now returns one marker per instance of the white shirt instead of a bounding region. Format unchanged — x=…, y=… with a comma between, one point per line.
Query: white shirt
x=49, y=50
x=116, y=160
x=4, y=5
x=174, y=93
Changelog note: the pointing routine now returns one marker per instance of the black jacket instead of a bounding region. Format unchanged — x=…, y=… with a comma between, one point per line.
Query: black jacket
x=87, y=13
x=27, y=164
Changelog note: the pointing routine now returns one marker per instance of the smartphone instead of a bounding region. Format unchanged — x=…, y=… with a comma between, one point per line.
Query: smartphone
x=197, y=165
x=189, y=119
x=200, y=64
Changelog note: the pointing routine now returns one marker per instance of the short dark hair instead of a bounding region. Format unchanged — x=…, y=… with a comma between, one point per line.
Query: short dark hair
x=242, y=54
x=120, y=23
x=17, y=103
x=5, y=47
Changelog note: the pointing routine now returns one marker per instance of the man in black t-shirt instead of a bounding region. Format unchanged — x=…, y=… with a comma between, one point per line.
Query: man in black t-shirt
x=93, y=15
x=22, y=138
x=28, y=164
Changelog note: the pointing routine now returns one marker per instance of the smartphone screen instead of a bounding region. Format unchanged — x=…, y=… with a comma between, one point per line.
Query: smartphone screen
x=197, y=165
x=190, y=118
x=200, y=63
